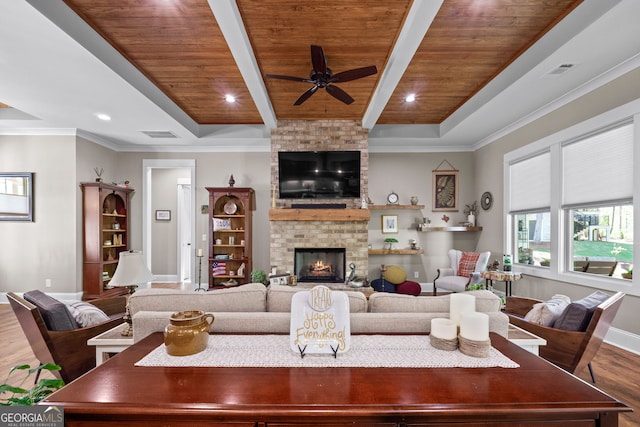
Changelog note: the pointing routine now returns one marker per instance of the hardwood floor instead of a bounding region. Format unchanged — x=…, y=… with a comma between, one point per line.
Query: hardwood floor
x=615, y=369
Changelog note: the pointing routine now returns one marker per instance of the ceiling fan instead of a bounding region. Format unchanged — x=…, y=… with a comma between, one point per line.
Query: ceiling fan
x=322, y=77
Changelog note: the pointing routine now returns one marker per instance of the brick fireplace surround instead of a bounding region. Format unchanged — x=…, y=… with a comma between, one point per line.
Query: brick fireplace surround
x=319, y=228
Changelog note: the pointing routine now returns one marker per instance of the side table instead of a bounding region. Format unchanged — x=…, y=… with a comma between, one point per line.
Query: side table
x=525, y=339
x=110, y=341
x=508, y=277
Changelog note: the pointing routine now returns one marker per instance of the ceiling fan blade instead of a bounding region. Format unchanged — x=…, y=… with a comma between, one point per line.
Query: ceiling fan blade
x=318, y=60
x=339, y=94
x=306, y=95
x=356, y=73
x=295, y=79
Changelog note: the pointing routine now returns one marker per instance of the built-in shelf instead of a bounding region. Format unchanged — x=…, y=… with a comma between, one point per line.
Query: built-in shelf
x=455, y=228
x=395, y=207
x=319, y=215
x=395, y=251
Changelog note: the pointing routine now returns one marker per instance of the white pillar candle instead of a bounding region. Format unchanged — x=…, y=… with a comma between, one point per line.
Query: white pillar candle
x=199, y=252
x=474, y=326
x=461, y=303
x=445, y=329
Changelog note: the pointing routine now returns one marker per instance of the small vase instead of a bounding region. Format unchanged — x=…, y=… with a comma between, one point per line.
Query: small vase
x=471, y=219
x=414, y=200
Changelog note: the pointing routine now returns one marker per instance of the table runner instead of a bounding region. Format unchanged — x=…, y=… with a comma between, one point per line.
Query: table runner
x=367, y=351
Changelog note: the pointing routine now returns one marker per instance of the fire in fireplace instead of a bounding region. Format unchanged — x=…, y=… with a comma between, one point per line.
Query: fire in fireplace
x=320, y=264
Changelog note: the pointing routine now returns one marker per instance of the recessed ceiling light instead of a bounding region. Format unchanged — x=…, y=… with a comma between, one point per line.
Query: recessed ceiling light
x=103, y=116
x=230, y=98
x=410, y=98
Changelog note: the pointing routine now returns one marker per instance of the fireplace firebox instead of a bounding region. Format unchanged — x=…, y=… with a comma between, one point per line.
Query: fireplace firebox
x=320, y=264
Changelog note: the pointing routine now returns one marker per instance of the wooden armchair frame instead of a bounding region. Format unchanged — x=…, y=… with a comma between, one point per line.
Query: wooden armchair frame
x=570, y=350
x=68, y=349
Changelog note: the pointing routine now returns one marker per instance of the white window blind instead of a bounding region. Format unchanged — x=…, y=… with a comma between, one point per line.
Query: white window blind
x=599, y=168
x=530, y=181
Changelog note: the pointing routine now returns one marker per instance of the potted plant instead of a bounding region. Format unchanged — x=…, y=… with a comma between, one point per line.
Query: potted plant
x=19, y=396
x=259, y=276
x=545, y=262
x=390, y=241
x=471, y=211
x=628, y=274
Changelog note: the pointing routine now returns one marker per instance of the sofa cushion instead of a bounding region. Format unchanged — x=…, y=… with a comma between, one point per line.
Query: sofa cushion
x=55, y=313
x=577, y=315
x=383, y=302
x=467, y=264
x=87, y=314
x=249, y=297
x=279, y=299
x=546, y=313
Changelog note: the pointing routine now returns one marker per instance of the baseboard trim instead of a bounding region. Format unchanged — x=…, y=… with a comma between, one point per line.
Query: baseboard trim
x=623, y=339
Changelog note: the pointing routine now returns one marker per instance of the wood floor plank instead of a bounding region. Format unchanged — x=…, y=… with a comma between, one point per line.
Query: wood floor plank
x=615, y=369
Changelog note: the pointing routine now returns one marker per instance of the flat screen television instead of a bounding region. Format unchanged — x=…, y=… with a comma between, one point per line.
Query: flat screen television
x=319, y=174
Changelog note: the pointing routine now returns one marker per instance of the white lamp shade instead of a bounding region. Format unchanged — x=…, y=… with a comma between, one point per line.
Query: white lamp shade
x=131, y=270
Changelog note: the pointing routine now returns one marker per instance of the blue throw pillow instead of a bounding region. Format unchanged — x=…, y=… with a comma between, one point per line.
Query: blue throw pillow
x=381, y=285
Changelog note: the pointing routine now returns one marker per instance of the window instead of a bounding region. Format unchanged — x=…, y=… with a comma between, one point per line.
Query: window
x=529, y=202
x=570, y=202
x=602, y=240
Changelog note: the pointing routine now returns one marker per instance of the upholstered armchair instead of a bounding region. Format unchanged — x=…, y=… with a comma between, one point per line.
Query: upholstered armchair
x=465, y=270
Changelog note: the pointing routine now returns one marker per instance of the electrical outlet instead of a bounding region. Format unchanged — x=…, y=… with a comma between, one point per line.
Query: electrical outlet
x=416, y=275
x=204, y=237
x=47, y=283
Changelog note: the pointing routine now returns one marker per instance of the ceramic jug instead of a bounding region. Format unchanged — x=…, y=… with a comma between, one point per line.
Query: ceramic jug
x=187, y=333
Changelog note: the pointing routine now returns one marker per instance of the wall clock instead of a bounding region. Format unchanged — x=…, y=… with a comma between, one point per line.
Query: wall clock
x=486, y=201
x=392, y=198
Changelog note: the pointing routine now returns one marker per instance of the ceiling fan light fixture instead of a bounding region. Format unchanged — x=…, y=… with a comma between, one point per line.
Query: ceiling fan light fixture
x=230, y=98
x=410, y=98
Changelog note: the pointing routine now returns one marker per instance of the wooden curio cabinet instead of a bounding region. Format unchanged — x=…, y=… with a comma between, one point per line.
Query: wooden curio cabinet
x=105, y=226
x=230, y=238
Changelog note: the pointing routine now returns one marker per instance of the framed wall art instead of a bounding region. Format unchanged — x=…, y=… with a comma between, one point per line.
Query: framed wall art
x=16, y=196
x=163, y=215
x=389, y=223
x=445, y=190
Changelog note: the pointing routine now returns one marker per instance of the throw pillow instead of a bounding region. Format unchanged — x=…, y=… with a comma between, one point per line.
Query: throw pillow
x=395, y=274
x=409, y=288
x=87, y=314
x=380, y=285
x=546, y=313
x=578, y=314
x=467, y=264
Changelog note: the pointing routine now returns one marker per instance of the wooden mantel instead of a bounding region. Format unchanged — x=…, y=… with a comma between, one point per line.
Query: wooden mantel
x=361, y=215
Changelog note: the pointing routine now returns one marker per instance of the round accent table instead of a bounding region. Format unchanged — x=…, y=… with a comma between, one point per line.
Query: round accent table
x=508, y=277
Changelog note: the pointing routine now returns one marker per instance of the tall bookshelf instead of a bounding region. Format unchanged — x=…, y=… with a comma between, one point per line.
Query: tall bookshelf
x=105, y=225
x=230, y=235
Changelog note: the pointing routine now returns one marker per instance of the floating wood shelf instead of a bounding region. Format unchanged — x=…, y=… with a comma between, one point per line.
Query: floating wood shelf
x=361, y=215
x=395, y=207
x=460, y=228
x=395, y=251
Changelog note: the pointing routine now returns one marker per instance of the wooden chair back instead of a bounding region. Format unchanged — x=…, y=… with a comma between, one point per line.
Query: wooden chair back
x=68, y=349
x=570, y=350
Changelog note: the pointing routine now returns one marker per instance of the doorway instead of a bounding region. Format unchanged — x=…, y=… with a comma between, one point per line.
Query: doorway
x=183, y=265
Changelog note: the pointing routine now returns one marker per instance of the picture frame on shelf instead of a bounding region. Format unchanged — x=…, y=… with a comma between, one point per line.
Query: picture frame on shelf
x=163, y=215
x=445, y=191
x=389, y=223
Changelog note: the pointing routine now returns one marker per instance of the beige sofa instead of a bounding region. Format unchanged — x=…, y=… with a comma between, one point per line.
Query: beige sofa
x=254, y=308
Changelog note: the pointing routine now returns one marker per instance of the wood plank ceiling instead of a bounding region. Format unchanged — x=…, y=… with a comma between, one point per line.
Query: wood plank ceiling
x=179, y=46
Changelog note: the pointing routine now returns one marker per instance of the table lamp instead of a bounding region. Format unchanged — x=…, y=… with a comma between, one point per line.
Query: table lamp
x=130, y=272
